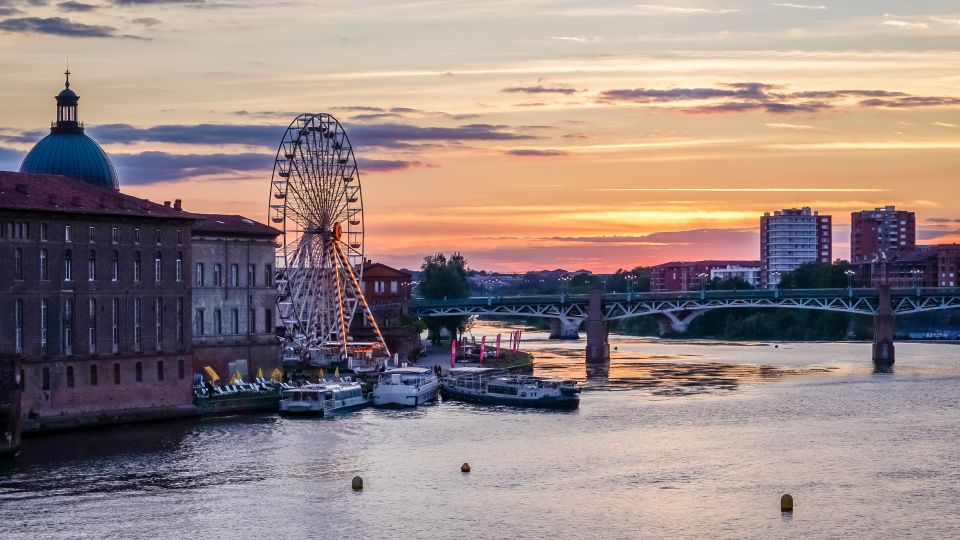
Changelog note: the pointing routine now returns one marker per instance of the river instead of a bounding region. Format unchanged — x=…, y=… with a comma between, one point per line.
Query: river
x=674, y=440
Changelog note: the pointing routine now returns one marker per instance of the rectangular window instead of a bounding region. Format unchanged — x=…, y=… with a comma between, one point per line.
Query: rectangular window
x=115, y=267
x=180, y=321
x=67, y=266
x=91, y=234
x=70, y=378
x=45, y=378
x=92, y=326
x=393, y=287
x=378, y=287
x=43, y=232
x=67, y=233
x=158, y=317
x=179, y=236
x=199, y=275
x=217, y=322
x=198, y=320
x=115, y=323
x=136, y=235
x=159, y=236
x=252, y=275
x=251, y=321
x=93, y=375
x=216, y=275
x=114, y=235
x=138, y=371
x=157, y=267
x=68, y=326
x=268, y=321
x=92, y=267
x=116, y=373
x=181, y=369
x=18, y=325
x=18, y=263
x=160, y=372
x=43, y=264
x=44, y=307
x=234, y=275
x=137, y=335
x=267, y=275
x=235, y=321
x=179, y=269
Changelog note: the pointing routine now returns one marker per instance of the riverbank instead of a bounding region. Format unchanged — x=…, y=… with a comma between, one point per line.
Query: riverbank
x=520, y=361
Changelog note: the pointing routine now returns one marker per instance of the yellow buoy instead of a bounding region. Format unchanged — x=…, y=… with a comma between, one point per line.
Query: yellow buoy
x=465, y=467
x=357, y=483
x=786, y=503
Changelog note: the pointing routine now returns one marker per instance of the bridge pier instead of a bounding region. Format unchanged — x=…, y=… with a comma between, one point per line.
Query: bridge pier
x=565, y=328
x=598, y=346
x=883, y=329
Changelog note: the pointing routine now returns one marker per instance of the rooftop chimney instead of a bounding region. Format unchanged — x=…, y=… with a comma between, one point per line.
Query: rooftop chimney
x=178, y=204
x=166, y=203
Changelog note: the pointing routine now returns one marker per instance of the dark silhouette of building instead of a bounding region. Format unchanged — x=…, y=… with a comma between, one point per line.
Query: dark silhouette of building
x=886, y=230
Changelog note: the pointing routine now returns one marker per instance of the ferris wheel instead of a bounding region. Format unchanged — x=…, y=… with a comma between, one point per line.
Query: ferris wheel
x=316, y=201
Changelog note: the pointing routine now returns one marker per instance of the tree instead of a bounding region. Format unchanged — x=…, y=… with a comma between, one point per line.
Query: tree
x=442, y=279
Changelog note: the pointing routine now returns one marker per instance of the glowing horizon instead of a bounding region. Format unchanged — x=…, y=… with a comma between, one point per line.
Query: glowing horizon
x=526, y=134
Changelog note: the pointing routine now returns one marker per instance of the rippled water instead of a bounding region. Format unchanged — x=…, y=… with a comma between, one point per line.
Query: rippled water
x=691, y=439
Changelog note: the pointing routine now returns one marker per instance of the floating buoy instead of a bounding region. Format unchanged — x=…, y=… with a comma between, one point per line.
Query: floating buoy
x=786, y=503
x=357, y=483
x=465, y=467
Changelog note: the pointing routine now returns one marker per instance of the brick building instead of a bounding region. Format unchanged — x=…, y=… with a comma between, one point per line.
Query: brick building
x=94, y=298
x=686, y=275
x=387, y=291
x=234, y=296
x=886, y=230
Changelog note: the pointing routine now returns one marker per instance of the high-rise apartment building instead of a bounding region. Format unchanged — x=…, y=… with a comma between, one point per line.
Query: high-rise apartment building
x=791, y=237
x=879, y=230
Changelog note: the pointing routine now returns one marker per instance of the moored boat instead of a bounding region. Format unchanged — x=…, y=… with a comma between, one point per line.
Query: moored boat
x=405, y=387
x=488, y=386
x=323, y=398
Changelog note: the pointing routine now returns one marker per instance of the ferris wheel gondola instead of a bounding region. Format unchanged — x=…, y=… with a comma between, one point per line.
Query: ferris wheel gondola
x=316, y=201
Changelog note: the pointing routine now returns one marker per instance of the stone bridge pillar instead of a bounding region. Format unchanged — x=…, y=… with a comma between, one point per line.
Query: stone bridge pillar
x=9, y=406
x=598, y=348
x=565, y=328
x=883, y=328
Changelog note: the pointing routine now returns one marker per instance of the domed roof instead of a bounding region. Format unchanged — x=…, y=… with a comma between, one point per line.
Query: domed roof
x=67, y=151
x=72, y=154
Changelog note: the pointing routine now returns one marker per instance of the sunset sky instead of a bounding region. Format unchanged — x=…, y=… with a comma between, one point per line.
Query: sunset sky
x=525, y=133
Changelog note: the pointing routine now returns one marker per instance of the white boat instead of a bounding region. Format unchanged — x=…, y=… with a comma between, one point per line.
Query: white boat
x=322, y=398
x=405, y=387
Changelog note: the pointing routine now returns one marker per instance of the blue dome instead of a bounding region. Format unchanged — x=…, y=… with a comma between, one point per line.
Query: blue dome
x=72, y=154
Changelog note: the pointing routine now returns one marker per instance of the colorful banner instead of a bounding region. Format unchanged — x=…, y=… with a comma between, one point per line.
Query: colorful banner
x=483, y=348
x=496, y=353
x=453, y=352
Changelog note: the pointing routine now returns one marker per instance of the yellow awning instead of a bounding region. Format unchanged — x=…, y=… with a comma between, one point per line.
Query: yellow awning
x=211, y=373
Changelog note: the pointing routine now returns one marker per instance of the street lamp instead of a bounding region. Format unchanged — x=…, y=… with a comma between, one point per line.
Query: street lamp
x=564, y=286
x=703, y=284
x=917, y=279
x=849, y=273
x=775, y=277
x=630, y=279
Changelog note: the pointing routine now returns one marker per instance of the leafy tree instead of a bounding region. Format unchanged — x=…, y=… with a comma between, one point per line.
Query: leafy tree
x=442, y=279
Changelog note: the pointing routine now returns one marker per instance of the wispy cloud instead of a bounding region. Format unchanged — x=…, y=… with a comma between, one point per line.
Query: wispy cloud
x=529, y=152
x=576, y=39
x=751, y=190
x=813, y=7
x=944, y=124
x=57, y=26
x=896, y=23
x=797, y=127
x=540, y=89
x=870, y=145
x=677, y=10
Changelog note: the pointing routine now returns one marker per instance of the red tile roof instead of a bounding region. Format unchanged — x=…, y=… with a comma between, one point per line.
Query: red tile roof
x=54, y=193
x=232, y=224
x=375, y=269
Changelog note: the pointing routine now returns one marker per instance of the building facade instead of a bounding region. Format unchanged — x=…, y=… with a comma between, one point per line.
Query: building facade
x=693, y=275
x=387, y=291
x=886, y=230
x=750, y=274
x=94, y=297
x=234, y=295
x=790, y=238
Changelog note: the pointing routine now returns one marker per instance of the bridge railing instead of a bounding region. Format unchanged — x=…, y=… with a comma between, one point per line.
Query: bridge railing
x=748, y=294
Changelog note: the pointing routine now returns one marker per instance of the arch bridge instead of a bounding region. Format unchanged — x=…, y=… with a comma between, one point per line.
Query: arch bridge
x=676, y=310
